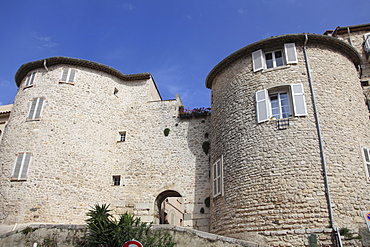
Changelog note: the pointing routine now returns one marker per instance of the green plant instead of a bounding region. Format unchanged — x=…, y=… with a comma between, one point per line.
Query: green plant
x=106, y=231
x=166, y=131
x=207, y=201
x=27, y=230
x=205, y=147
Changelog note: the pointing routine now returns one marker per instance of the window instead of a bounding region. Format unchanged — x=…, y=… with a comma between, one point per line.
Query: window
x=217, y=177
x=280, y=102
x=122, y=136
x=366, y=155
x=35, y=109
x=68, y=76
x=22, y=164
x=116, y=180
x=367, y=43
x=274, y=59
x=29, y=80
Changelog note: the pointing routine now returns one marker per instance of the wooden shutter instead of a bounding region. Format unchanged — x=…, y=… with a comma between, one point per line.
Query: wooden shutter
x=217, y=177
x=290, y=53
x=258, y=60
x=64, y=75
x=262, y=106
x=32, y=109
x=367, y=42
x=299, y=102
x=30, y=79
x=26, y=164
x=72, y=74
x=367, y=161
x=40, y=104
x=18, y=165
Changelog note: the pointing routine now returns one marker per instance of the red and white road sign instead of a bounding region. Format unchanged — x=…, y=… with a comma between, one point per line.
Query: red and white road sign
x=133, y=243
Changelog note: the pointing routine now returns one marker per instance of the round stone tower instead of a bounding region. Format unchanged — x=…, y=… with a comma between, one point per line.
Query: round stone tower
x=289, y=130
x=82, y=133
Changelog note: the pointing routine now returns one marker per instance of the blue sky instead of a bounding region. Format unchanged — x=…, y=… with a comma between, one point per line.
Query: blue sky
x=178, y=42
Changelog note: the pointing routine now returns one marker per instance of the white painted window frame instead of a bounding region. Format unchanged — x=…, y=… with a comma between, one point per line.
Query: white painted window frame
x=366, y=158
x=36, y=108
x=296, y=97
x=68, y=76
x=21, y=166
x=217, y=177
x=122, y=135
x=367, y=42
x=289, y=57
x=30, y=80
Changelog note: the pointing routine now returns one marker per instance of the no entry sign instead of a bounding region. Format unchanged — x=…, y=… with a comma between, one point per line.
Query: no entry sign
x=133, y=243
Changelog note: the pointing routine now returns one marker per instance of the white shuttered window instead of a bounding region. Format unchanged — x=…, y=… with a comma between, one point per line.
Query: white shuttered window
x=366, y=155
x=68, y=75
x=35, y=109
x=276, y=102
x=217, y=177
x=21, y=166
x=271, y=59
x=29, y=80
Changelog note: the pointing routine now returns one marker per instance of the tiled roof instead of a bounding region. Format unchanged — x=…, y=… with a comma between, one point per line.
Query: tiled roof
x=27, y=67
x=325, y=40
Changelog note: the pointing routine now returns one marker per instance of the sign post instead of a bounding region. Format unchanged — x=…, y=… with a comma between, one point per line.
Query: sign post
x=133, y=243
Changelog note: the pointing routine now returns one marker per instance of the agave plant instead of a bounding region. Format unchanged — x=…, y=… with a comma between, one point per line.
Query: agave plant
x=107, y=231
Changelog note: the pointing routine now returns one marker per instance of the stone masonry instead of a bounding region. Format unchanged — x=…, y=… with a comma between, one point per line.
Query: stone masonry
x=288, y=135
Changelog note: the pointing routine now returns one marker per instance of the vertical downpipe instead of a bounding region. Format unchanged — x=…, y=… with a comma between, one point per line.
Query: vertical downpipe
x=323, y=160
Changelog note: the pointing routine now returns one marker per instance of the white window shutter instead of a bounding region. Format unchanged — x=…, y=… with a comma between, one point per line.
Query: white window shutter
x=26, y=164
x=262, y=106
x=32, y=109
x=258, y=60
x=17, y=166
x=290, y=53
x=64, y=75
x=299, y=102
x=39, y=108
x=72, y=74
x=367, y=42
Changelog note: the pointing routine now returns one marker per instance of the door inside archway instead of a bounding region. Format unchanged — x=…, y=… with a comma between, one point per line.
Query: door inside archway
x=169, y=206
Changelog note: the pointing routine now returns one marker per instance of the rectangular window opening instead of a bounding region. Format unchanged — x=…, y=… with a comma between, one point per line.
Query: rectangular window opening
x=30, y=80
x=116, y=179
x=21, y=166
x=35, y=109
x=122, y=136
x=68, y=76
x=217, y=177
x=366, y=155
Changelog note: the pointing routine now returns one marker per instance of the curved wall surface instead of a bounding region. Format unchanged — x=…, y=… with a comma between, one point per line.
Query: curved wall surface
x=76, y=149
x=273, y=186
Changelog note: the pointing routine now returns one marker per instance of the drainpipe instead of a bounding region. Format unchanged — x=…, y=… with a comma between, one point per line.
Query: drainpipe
x=349, y=36
x=323, y=160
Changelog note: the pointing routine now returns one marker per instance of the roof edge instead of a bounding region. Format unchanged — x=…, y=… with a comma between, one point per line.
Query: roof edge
x=27, y=67
x=329, y=41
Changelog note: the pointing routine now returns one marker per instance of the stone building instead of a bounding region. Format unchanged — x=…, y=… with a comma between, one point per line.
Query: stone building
x=4, y=117
x=290, y=150
x=82, y=133
x=290, y=140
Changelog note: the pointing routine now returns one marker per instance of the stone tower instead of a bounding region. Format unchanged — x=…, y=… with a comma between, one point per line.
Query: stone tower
x=82, y=133
x=289, y=128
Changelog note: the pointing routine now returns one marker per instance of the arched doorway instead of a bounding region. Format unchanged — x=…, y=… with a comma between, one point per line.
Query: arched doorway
x=169, y=208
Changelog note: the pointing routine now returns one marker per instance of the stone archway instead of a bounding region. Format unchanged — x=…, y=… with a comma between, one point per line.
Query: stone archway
x=169, y=208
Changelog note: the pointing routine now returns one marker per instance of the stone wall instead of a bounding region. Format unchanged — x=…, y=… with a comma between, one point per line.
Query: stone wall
x=76, y=150
x=274, y=190
x=72, y=235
